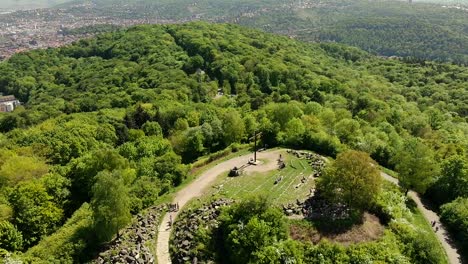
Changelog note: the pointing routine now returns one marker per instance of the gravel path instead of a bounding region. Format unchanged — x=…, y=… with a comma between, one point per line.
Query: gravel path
x=198, y=186
x=442, y=234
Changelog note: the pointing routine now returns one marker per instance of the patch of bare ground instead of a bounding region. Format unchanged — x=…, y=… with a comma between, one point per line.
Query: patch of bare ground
x=369, y=230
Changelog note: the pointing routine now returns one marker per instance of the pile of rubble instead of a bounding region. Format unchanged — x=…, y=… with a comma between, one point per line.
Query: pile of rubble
x=316, y=161
x=317, y=207
x=132, y=245
x=294, y=208
x=183, y=246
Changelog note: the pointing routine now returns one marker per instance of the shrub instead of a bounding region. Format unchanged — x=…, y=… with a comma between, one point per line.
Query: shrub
x=455, y=215
x=10, y=238
x=417, y=244
x=70, y=244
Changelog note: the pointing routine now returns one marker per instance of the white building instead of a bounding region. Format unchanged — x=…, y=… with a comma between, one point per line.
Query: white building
x=8, y=103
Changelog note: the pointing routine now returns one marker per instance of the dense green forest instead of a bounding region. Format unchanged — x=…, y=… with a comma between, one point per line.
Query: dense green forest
x=388, y=28
x=133, y=108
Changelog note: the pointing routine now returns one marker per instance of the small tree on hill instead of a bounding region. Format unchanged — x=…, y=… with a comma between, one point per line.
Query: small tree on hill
x=110, y=204
x=353, y=179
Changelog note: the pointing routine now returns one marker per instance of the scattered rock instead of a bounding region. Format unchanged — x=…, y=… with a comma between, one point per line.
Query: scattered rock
x=317, y=207
x=131, y=244
x=187, y=225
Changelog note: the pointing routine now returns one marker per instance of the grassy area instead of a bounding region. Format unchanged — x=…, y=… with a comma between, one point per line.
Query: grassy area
x=419, y=221
x=288, y=190
x=168, y=197
x=389, y=172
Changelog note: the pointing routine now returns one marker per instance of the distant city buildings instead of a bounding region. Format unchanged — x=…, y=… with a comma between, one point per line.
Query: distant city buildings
x=8, y=103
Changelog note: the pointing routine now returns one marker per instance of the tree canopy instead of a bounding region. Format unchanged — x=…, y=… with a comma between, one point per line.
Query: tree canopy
x=353, y=179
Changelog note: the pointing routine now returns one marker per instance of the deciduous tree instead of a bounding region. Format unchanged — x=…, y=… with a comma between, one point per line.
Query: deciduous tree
x=110, y=204
x=352, y=179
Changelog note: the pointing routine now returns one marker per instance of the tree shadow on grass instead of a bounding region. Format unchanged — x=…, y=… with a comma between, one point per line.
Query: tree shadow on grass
x=328, y=226
x=331, y=218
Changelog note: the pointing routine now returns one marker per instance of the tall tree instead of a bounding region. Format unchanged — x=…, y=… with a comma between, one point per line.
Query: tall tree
x=416, y=165
x=233, y=127
x=110, y=204
x=352, y=179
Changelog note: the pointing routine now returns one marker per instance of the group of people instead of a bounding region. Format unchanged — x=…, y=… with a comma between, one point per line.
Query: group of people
x=433, y=223
x=172, y=208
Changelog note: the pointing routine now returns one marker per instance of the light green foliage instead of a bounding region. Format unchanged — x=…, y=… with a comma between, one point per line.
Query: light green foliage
x=6, y=212
x=144, y=192
x=34, y=211
x=233, y=127
x=58, y=187
x=287, y=251
x=152, y=128
x=348, y=131
x=417, y=244
x=69, y=243
x=16, y=169
x=353, y=179
x=130, y=100
x=110, y=204
x=293, y=132
x=416, y=165
x=392, y=203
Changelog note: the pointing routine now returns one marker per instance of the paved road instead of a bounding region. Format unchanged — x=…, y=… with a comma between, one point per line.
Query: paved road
x=196, y=189
x=442, y=234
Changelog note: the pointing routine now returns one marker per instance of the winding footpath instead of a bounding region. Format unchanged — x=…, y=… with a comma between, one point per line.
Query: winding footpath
x=442, y=234
x=196, y=189
x=206, y=179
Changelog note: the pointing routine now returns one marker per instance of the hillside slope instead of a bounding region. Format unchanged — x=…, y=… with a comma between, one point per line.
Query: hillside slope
x=132, y=108
x=385, y=27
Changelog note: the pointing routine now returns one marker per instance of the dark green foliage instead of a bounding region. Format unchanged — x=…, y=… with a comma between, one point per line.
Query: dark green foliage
x=453, y=181
x=455, y=216
x=10, y=238
x=84, y=170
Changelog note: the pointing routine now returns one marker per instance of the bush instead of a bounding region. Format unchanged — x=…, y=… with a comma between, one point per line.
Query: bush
x=455, y=215
x=70, y=244
x=417, y=244
x=391, y=204
x=10, y=238
x=248, y=227
x=235, y=147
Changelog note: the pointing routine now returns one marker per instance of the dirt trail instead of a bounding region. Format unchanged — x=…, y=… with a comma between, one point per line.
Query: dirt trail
x=198, y=186
x=442, y=234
